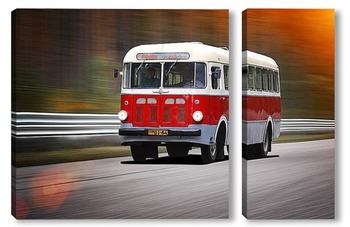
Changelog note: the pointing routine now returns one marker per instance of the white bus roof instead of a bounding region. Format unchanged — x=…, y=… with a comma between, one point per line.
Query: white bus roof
x=190, y=51
x=252, y=58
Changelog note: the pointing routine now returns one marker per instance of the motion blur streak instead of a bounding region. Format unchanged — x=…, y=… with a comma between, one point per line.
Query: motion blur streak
x=120, y=188
x=302, y=42
x=296, y=181
x=64, y=58
x=20, y=208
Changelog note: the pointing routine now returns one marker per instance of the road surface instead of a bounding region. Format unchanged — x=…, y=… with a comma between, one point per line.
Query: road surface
x=295, y=182
x=119, y=188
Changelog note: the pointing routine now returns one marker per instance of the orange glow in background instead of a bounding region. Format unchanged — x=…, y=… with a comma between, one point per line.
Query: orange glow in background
x=302, y=43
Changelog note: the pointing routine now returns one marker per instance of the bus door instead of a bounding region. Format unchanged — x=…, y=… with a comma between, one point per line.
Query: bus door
x=219, y=97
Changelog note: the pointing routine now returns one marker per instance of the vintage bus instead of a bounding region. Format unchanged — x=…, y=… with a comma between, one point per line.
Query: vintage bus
x=261, y=104
x=175, y=95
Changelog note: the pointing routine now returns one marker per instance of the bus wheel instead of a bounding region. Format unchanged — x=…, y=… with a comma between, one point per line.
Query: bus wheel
x=250, y=151
x=220, y=144
x=208, y=153
x=266, y=144
x=176, y=151
x=151, y=150
x=138, y=153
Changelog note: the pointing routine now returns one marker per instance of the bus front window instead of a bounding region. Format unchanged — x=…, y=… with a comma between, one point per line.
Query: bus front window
x=142, y=75
x=184, y=75
x=149, y=78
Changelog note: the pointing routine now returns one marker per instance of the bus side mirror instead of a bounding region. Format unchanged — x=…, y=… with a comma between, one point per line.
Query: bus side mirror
x=116, y=73
x=217, y=73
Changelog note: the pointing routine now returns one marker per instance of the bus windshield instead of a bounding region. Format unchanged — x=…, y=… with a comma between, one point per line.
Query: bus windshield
x=175, y=75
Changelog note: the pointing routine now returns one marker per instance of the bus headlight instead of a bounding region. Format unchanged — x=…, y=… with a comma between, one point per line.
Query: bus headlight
x=197, y=116
x=122, y=115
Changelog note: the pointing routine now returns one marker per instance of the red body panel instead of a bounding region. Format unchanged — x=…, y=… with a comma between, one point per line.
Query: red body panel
x=261, y=107
x=173, y=110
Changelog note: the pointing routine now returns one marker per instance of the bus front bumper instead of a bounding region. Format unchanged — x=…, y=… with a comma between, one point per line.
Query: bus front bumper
x=159, y=132
x=193, y=134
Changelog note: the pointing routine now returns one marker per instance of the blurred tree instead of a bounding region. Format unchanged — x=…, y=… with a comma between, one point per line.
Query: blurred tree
x=63, y=60
x=301, y=41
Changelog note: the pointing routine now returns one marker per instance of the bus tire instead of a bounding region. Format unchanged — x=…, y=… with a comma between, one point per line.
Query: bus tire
x=151, y=150
x=138, y=153
x=249, y=151
x=244, y=151
x=265, y=146
x=208, y=153
x=177, y=150
x=220, y=144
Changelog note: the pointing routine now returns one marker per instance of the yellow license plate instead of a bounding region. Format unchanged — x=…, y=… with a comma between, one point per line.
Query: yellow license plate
x=158, y=132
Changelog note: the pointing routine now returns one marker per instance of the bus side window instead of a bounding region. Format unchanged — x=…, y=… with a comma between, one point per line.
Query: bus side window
x=215, y=81
x=264, y=80
x=270, y=80
x=251, y=73
x=244, y=78
x=258, y=79
x=276, y=81
x=226, y=70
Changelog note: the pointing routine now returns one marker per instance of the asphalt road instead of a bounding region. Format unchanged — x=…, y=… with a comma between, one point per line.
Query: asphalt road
x=297, y=181
x=119, y=188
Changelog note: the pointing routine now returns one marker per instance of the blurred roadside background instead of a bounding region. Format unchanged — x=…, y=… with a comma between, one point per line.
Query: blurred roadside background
x=301, y=41
x=63, y=60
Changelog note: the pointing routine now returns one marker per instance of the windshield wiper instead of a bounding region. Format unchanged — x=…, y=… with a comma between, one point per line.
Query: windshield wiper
x=172, y=65
x=138, y=68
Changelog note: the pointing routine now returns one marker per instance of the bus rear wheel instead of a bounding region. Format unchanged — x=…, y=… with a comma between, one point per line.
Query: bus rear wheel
x=265, y=146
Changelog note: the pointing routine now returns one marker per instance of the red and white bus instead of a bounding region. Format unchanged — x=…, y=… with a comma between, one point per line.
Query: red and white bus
x=261, y=104
x=175, y=95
